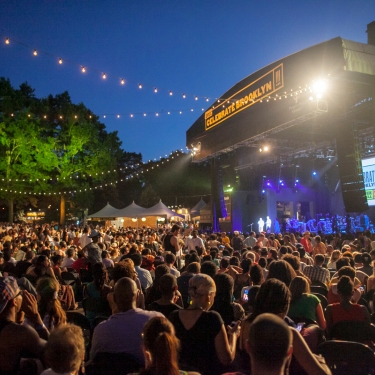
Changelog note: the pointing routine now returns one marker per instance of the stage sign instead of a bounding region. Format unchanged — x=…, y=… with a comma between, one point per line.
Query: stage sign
x=368, y=168
x=246, y=97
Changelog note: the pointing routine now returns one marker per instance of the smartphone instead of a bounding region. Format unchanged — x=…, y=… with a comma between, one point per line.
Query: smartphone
x=300, y=326
x=245, y=296
x=361, y=289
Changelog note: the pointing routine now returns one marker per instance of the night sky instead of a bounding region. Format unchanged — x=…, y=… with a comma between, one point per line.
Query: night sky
x=197, y=48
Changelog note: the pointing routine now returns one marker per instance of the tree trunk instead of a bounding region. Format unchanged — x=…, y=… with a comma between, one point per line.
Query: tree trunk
x=62, y=210
x=10, y=213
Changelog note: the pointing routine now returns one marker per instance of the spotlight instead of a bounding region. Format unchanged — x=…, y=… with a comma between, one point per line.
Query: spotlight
x=268, y=184
x=297, y=180
x=319, y=86
x=314, y=173
x=265, y=148
x=263, y=191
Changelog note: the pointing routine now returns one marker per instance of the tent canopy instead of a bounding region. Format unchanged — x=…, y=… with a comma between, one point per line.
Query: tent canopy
x=107, y=211
x=160, y=209
x=196, y=209
x=133, y=210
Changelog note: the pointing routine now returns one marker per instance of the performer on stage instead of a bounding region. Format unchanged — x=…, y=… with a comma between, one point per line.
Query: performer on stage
x=268, y=224
x=276, y=226
x=260, y=225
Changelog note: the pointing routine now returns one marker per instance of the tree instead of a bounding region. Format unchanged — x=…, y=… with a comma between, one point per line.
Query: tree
x=52, y=146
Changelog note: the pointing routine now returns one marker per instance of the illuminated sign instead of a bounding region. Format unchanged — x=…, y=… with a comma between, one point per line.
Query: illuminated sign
x=368, y=168
x=34, y=214
x=246, y=97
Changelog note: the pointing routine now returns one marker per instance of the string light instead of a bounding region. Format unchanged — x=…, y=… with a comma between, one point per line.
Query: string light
x=155, y=89
x=7, y=41
x=122, y=81
x=196, y=98
x=60, y=61
x=170, y=93
x=139, y=86
x=183, y=96
x=83, y=69
x=104, y=76
x=35, y=53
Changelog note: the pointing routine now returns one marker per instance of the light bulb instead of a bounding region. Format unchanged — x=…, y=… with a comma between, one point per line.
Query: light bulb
x=170, y=93
x=83, y=69
x=184, y=96
x=104, y=116
x=196, y=98
x=140, y=86
x=104, y=76
x=35, y=53
x=207, y=99
x=169, y=113
x=157, y=114
x=122, y=81
x=180, y=112
x=155, y=89
x=145, y=114
x=7, y=41
x=60, y=61
x=131, y=115
x=118, y=116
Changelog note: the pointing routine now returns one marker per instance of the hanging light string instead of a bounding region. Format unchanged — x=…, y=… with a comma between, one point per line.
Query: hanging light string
x=155, y=88
x=116, y=115
x=103, y=74
x=134, y=173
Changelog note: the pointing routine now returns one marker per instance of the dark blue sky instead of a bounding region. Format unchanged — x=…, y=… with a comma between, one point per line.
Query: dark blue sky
x=197, y=47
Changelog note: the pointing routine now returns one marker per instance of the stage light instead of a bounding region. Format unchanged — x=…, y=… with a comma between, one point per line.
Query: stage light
x=260, y=150
x=314, y=173
x=297, y=180
x=60, y=61
x=268, y=184
x=281, y=181
x=122, y=81
x=263, y=191
x=320, y=86
x=311, y=98
x=265, y=148
x=7, y=41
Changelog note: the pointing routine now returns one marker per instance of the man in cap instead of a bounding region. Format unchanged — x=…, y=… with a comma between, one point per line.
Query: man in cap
x=15, y=338
x=94, y=252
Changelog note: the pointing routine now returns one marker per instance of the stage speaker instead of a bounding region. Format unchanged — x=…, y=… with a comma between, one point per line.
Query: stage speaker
x=218, y=190
x=350, y=167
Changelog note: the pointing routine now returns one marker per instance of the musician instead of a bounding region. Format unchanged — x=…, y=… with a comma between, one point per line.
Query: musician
x=260, y=225
x=268, y=224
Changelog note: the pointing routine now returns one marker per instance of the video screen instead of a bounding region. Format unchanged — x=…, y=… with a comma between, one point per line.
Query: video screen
x=368, y=168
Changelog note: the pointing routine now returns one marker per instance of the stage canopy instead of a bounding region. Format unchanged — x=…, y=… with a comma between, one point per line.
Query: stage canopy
x=106, y=212
x=195, y=210
x=133, y=210
x=160, y=209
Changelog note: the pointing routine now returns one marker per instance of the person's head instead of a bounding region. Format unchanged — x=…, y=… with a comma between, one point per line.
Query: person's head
x=256, y=274
x=318, y=239
x=10, y=295
x=347, y=271
x=100, y=275
x=281, y=270
x=168, y=285
x=342, y=262
x=345, y=287
x=293, y=260
x=193, y=267
x=137, y=259
x=125, y=294
x=47, y=290
x=319, y=259
x=273, y=297
x=262, y=262
x=170, y=258
x=299, y=286
x=160, y=346
x=175, y=229
x=246, y=264
x=125, y=268
x=202, y=291
x=65, y=349
x=70, y=252
x=335, y=255
x=366, y=259
x=224, y=263
x=234, y=261
x=224, y=288
x=269, y=334
x=272, y=253
x=209, y=268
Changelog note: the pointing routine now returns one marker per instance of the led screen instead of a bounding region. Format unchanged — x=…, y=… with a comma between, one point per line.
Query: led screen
x=368, y=167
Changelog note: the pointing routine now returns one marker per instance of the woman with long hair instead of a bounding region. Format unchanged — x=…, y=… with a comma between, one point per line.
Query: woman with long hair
x=49, y=305
x=281, y=270
x=229, y=311
x=304, y=304
x=160, y=349
x=345, y=310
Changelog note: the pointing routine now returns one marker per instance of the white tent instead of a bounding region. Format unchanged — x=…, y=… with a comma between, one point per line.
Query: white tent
x=133, y=210
x=196, y=209
x=107, y=211
x=160, y=209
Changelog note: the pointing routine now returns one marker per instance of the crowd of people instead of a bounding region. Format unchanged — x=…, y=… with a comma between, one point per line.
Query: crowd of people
x=176, y=300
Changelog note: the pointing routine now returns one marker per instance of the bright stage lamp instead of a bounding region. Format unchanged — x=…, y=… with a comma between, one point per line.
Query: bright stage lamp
x=265, y=148
x=319, y=86
x=134, y=220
